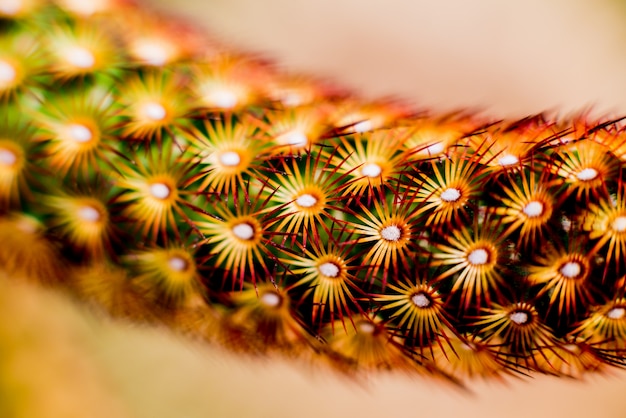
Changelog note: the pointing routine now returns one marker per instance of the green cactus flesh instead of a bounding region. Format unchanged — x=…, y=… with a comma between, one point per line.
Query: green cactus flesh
x=166, y=179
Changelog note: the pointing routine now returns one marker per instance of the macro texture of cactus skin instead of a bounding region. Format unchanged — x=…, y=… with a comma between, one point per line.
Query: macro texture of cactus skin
x=166, y=179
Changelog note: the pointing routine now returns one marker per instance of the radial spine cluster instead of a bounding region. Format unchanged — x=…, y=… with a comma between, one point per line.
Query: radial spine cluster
x=167, y=179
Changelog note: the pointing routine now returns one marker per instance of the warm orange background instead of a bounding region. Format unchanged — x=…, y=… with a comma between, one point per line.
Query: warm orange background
x=508, y=57
x=513, y=57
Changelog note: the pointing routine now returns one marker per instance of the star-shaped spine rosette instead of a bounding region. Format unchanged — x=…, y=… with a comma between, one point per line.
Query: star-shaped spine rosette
x=154, y=49
x=325, y=271
x=228, y=83
x=447, y=189
x=22, y=65
x=518, y=330
x=155, y=103
x=293, y=130
x=109, y=286
x=605, y=325
x=427, y=138
x=574, y=358
x=416, y=313
x=586, y=169
x=77, y=132
x=389, y=234
x=468, y=356
x=239, y=238
x=349, y=116
x=526, y=202
x=366, y=344
x=472, y=261
x=305, y=192
x=166, y=275
x=570, y=131
x=504, y=148
x=613, y=137
x=18, y=155
x=266, y=313
x=152, y=194
x=373, y=160
x=156, y=41
x=81, y=49
x=606, y=223
x=229, y=155
x=294, y=90
x=84, y=222
x=26, y=252
x=563, y=274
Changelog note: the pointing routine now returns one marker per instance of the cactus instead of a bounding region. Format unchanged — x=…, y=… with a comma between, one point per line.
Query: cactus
x=163, y=178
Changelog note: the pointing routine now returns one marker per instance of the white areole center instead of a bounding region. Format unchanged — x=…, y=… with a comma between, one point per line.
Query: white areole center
x=177, y=263
x=306, y=200
x=152, y=52
x=7, y=158
x=533, y=209
x=366, y=327
x=570, y=269
x=270, y=299
x=8, y=73
x=519, y=317
x=587, y=174
x=616, y=313
x=295, y=138
x=329, y=269
x=222, y=98
x=291, y=99
x=363, y=126
x=478, y=257
x=10, y=7
x=619, y=224
x=507, y=160
x=371, y=170
x=230, y=159
x=85, y=7
x=154, y=111
x=420, y=300
x=89, y=214
x=80, y=57
x=159, y=191
x=469, y=346
x=80, y=133
x=391, y=233
x=435, y=149
x=451, y=194
x=243, y=231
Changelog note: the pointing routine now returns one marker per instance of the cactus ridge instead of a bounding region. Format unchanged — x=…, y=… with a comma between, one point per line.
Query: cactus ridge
x=166, y=179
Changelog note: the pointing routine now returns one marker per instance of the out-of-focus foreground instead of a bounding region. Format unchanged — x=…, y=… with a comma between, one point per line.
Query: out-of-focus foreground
x=60, y=360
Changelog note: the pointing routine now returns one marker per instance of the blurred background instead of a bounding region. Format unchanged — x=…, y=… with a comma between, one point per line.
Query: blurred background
x=507, y=59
